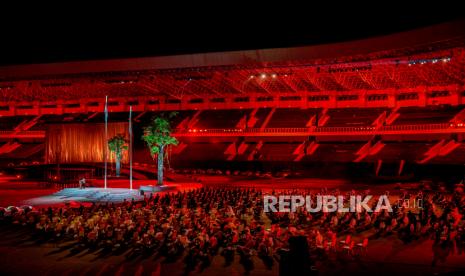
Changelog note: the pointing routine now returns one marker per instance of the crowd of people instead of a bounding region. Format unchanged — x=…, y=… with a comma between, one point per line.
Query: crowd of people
x=197, y=225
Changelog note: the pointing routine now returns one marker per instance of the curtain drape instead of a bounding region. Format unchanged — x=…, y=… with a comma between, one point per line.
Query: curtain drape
x=77, y=143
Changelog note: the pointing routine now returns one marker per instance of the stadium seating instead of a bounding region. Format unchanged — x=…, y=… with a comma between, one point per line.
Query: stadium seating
x=426, y=115
x=348, y=117
x=291, y=117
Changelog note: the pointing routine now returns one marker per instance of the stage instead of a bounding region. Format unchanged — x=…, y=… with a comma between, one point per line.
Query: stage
x=87, y=195
x=116, y=193
x=19, y=193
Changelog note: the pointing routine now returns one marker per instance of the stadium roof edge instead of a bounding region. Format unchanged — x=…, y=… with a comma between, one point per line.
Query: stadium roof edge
x=414, y=38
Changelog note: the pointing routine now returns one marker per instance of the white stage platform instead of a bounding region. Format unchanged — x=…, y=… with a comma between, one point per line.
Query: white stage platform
x=155, y=188
x=87, y=195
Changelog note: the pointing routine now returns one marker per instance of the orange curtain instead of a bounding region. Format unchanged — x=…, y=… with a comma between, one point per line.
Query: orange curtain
x=78, y=143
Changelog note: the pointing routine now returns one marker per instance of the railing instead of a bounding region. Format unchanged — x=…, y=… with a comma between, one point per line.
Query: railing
x=295, y=131
x=22, y=134
x=318, y=131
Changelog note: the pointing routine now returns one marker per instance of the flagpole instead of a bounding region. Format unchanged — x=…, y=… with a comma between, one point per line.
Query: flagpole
x=130, y=147
x=106, y=141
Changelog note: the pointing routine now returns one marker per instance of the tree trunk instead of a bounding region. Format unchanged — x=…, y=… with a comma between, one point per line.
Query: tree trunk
x=118, y=167
x=160, y=165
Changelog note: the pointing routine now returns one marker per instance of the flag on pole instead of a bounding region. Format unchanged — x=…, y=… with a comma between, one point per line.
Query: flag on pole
x=130, y=147
x=106, y=109
x=106, y=141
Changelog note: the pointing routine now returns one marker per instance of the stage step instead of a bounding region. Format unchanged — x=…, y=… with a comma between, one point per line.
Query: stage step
x=98, y=195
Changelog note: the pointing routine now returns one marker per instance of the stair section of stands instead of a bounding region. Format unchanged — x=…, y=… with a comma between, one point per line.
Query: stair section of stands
x=426, y=115
x=218, y=119
x=277, y=151
x=10, y=123
x=334, y=152
x=353, y=117
x=410, y=151
x=291, y=117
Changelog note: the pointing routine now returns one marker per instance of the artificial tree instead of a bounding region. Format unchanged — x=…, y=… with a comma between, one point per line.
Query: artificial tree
x=117, y=145
x=157, y=136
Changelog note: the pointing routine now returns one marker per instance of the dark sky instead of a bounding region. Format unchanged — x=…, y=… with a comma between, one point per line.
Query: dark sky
x=41, y=38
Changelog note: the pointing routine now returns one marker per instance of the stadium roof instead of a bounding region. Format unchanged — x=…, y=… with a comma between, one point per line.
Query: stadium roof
x=437, y=37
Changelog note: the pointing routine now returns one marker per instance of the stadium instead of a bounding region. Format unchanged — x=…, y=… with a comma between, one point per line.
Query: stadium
x=84, y=185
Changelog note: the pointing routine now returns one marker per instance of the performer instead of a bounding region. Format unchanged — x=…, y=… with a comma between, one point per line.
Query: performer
x=82, y=183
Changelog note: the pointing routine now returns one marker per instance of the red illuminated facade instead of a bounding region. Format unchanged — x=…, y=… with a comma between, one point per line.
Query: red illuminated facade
x=360, y=101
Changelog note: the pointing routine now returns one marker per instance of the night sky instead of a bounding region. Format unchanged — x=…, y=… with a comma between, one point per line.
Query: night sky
x=42, y=38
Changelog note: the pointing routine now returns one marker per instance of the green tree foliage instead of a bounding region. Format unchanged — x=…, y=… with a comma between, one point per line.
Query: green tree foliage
x=117, y=145
x=157, y=136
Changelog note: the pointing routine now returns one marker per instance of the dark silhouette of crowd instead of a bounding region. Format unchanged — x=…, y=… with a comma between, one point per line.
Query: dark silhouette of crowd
x=197, y=225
